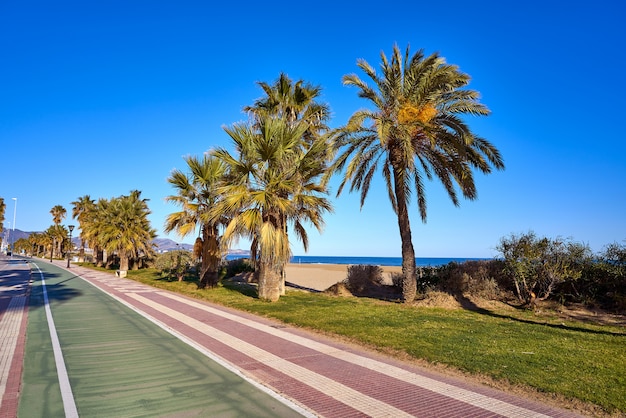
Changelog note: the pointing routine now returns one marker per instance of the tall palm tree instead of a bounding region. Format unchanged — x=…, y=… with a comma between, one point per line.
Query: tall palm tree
x=82, y=209
x=274, y=180
x=294, y=102
x=413, y=132
x=58, y=213
x=196, y=194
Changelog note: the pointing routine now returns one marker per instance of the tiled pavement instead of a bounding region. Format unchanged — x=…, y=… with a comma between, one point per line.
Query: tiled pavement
x=323, y=377
x=14, y=289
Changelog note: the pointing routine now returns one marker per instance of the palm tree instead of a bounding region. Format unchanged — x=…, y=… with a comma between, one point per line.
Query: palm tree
x=197, y=193
x=413, y=132
x=294, y=102
x=49, y=240
x=54, y=237
x=274, y=180
x=126, y=228
x=91, y=229
x=58, y=214
x=36, y=241
x=2, y=209
x=82, y=208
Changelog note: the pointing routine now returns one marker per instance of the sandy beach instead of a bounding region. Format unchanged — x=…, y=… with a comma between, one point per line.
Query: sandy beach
x=322, y=276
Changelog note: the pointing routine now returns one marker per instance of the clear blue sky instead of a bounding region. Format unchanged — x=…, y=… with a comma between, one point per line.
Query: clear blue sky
x=101, y=98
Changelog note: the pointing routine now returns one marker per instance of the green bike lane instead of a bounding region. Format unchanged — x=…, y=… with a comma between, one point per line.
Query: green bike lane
x=120, y=364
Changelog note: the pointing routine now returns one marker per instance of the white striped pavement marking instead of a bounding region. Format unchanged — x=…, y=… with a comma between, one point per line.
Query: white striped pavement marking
x=357, y=400
x=446, y=389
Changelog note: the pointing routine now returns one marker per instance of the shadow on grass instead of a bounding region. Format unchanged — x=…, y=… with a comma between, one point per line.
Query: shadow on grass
x=467, y=304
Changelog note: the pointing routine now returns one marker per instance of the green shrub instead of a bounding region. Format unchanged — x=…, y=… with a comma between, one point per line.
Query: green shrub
x=174, y=264
x=537, y=266
x=474, y=277
x=240, y=265
x=363, y=278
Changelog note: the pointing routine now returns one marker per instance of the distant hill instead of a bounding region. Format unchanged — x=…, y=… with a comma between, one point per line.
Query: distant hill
x=162, y=244
x=15, y=234
x=166, y=244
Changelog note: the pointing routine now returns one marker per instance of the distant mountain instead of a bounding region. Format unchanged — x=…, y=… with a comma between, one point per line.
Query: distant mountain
x=14, y=235
x=162, y=244
x=166, y=244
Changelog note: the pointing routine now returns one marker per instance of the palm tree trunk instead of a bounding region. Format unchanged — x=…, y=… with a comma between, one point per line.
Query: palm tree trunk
x=409, y=279
x=123, y=261
x=269, y=281
x=81, y=254
x=99, y=254
x=210, y=257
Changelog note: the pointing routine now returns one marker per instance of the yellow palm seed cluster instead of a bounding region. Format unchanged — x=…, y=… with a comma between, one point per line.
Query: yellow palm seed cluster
x=409, y=114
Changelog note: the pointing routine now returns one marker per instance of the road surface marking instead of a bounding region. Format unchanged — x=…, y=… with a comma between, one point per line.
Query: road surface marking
x=69, y=404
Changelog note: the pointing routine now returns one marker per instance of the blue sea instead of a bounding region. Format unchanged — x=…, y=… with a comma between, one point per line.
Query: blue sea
x=375, y=261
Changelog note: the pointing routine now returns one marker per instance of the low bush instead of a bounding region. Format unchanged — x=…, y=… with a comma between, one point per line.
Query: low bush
x=234, y=267
x=362, y=279
x=479, y=278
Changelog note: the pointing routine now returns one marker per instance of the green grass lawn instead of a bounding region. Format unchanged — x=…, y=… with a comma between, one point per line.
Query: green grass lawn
x=568, y=360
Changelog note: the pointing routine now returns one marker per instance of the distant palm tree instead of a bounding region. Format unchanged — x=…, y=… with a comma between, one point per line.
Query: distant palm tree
x=91, y=228
x=83, y=207
x=2, y=209
x=49, y=240
x=197, y=193
x=58, y=214
x=36, y=241
x=413, y=132
x=274, y=180
x=54, y=237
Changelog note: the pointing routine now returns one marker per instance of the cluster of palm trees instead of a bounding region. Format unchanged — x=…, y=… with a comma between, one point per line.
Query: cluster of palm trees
x=118, y=225
x=53, y=240
x=276, y=180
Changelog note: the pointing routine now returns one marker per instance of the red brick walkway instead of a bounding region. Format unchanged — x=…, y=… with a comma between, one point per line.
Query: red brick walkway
x=14, y=291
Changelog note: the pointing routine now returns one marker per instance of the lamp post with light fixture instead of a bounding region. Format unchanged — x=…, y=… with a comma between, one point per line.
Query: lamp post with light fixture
x=69, y=251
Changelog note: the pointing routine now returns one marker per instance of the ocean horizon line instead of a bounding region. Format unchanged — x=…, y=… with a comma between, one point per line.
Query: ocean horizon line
x=378, y=261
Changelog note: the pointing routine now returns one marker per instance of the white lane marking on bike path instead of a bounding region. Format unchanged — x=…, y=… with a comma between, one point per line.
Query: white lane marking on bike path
x=69, y=405
x=146, y=289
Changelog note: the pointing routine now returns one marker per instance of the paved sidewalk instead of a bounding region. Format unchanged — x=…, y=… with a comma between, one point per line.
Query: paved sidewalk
x=321, y=376
x=14, y=291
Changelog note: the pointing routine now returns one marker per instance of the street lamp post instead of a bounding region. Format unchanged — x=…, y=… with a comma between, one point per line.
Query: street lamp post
x=69, y=251
x=13, y=234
